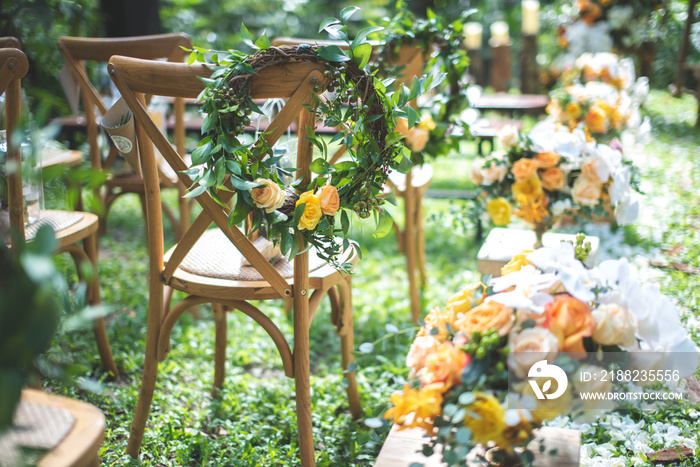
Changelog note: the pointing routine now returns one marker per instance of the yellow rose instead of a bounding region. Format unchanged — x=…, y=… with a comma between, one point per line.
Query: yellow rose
x=268, y=197
x=330, y=201
x=552, y=179
x=572, y=111
x=516, y=263
x=444, y=365
x=499, y=209
x=614, y=325
x=427, y=123
x=529, y=347
x=532, y=209
x=530, y=188
x=312, y=211
x=486, y=418
x=547, y=160
x=524, y=169
x=570, y=320
x=423, y=404
x=466, y=299
x=586, y=191
x=596, y=120
x=486, y=316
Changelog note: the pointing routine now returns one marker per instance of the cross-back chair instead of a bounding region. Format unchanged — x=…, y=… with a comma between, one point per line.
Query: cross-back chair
x=206, y=263
x=412, y=186
x=77, y=51
x=71, y=228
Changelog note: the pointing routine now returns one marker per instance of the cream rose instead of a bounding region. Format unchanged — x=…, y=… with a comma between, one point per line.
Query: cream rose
x=268, y=197
x=586, y=191
x=529, y=347
x=494, y=169
x=597, y=382
x=417, y=139
x=330, y=201
x=509, y=136
x=475, y=173
x=422, y=346
x=614, y=325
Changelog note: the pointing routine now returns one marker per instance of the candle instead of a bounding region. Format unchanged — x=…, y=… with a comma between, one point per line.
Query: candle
x=472, y=30
x=499, y=33
x=531, y=20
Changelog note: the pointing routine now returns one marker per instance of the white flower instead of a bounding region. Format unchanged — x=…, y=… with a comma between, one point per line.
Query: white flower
x=627, y=210
x=531, y=289
x=519, y=408
x=509, y=136
x=573, y=274
x=560, y=207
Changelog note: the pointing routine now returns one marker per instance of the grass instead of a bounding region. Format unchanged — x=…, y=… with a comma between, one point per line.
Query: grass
x=252, y=421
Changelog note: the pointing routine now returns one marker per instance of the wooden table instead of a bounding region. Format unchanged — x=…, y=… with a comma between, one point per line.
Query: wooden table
x=400, y=448
x=80, y=447
x=511, y=103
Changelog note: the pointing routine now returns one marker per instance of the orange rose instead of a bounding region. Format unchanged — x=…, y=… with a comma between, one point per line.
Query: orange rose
x=570, y=320
x=524, y=169
x=330, y=201
x=488, y=315
x=444, y=365
x=547, y=160
x=438, y=319
x=596, y=120
x=415, y=407
x=586, y=191
x=552, y=179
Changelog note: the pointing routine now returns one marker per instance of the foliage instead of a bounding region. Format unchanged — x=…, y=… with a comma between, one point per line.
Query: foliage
x=364, y=128
x=29, y=315
x=441, y=42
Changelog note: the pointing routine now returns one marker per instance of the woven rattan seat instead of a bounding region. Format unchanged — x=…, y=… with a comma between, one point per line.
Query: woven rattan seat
x=58, y=220
x=215, y=256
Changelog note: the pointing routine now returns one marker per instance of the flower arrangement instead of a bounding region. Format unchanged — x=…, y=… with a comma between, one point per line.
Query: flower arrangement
x=551, y=172
x=600, y=94
x=287, y=218
x=468, y=360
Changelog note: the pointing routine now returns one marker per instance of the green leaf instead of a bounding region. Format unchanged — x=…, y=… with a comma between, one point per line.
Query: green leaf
x=327, y=22
x=366, y=347
x=344, y=222
x=347, y=13
x=298, y=212
x=263, y=42
x=412, y=115
x=240, y=211
x=320, y=166
x=360, y=37
x=405, y=165
x=286, y=243
x=296, y=244
x=384, y=224
x=195, y=192
x=241, y=184
x=333, y=53
x=247, y=38
x=362, y=54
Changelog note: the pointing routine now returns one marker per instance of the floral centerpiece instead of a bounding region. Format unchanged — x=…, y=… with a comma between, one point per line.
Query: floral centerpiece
x=551, y=172
x=600, y=95
x=468, y=361
x=304, y=212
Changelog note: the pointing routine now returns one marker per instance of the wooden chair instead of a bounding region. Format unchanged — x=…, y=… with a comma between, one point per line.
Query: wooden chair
x=206, y=265
x=70, y=227
x=412, y=186
x=78, y=50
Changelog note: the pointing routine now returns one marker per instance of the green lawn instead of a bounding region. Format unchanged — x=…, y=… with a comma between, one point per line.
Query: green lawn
x=253, y=421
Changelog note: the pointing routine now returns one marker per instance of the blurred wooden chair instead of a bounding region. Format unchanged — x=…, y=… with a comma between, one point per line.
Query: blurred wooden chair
x=77, y=51
x=411, y=187
x=207, y=266
x=70, y=227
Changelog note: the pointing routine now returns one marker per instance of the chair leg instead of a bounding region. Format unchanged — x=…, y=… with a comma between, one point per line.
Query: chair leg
x=345, y=330
x=410, y=244
x=420, y=239
x=219, y=347
x=302, y=370
x=99, y=329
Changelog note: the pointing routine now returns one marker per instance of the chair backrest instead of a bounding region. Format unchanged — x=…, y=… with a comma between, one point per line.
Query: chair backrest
x=294, y=82
x=78, y=50
x=13, y=67
x=10, y=42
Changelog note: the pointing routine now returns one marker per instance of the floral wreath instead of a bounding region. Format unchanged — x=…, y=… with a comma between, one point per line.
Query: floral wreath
x=257, y=175
x=440, y=128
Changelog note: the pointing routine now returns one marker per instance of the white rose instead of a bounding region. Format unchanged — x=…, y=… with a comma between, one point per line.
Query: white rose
x=509, y=136
x=496, y=170
x=529, y=347
x=614, y=325
x=598, y=382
